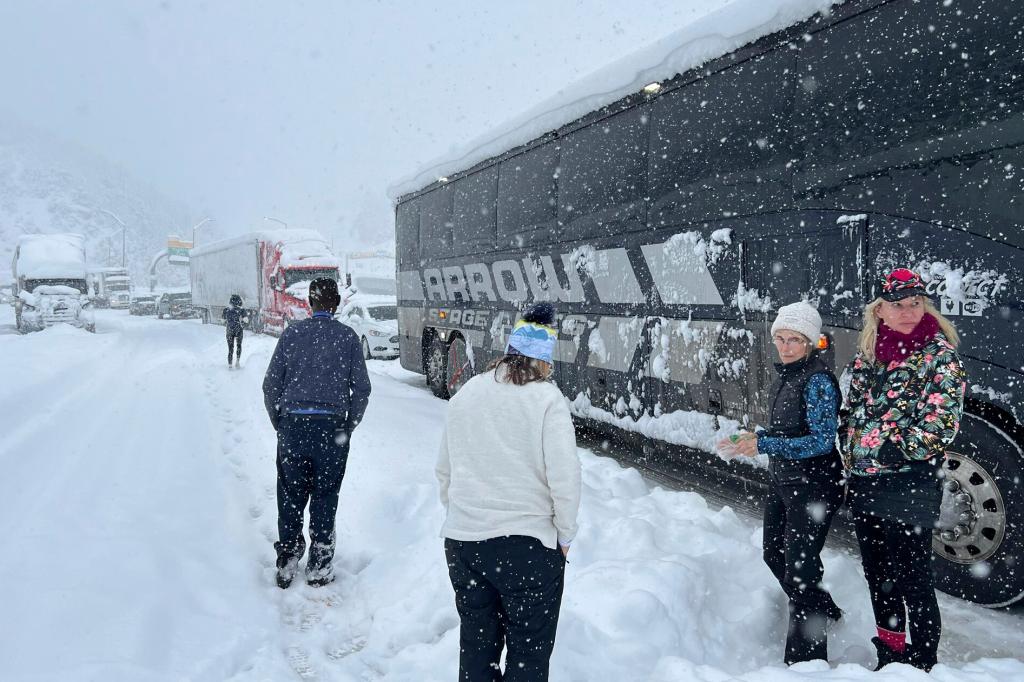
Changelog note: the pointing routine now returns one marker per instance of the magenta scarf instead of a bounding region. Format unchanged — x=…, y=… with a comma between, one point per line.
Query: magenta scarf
x=892, y=346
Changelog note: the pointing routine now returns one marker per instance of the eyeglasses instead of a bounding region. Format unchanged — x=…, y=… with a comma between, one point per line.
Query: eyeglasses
x=791, y=341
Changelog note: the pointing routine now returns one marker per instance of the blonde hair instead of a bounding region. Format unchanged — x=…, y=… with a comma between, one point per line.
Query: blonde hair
x=869, y=331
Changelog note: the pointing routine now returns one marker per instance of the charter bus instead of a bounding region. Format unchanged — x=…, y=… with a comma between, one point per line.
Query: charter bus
x=669, y=225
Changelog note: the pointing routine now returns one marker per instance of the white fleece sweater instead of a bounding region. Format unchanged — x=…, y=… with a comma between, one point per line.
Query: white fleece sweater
x=508, y=463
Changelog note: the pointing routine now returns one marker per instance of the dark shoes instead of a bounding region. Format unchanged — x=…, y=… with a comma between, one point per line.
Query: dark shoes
x=919, y=659
x=286, y=570
x=320, y=581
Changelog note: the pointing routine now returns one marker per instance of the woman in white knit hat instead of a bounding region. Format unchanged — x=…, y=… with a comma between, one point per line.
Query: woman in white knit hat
x=805, y=476
x=510, y=486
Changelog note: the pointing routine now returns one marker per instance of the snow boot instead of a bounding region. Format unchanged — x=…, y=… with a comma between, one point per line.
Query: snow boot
x=286, y=570
x=925, y=660
x=887, y=655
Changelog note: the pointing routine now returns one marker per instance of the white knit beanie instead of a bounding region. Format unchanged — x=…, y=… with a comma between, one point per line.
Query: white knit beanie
x=799, y=317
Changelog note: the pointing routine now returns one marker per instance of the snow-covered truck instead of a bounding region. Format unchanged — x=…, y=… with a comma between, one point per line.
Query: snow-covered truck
x=51, y=282
x=112, y=287
x=271, y=271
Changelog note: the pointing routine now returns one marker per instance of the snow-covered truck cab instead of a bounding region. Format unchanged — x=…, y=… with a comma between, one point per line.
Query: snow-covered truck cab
x=289, y=265
x=51, y=283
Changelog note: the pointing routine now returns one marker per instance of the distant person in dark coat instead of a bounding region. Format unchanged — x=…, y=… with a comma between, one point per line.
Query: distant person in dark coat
x=235, y=317
x=805, y=477
x=316, y=391
x=902, y=410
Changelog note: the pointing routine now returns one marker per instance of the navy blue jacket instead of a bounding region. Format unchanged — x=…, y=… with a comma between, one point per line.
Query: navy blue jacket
x=233, y=319
x=318, y=364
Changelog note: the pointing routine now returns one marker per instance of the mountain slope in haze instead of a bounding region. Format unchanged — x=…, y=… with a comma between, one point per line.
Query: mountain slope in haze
x=50, y=185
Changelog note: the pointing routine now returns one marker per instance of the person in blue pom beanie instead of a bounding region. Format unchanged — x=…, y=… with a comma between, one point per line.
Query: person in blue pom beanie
x=510, y=485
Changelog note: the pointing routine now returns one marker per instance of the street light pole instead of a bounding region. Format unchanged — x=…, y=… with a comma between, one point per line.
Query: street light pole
x=196, y=227
x=276, y=220
x=124, y=229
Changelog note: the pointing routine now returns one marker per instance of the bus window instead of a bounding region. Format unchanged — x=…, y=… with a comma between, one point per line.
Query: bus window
x=474, y=212
x=711, y=158
x=407, y=233
x=436, y=223
x=603, y=178
x=528, y=197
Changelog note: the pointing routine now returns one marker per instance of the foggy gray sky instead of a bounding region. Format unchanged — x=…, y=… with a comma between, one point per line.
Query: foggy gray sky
x=305, y=111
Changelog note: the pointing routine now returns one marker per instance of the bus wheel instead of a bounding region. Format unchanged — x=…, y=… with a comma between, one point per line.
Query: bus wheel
x=437, y=367
x=459, y=366
x=980, y=535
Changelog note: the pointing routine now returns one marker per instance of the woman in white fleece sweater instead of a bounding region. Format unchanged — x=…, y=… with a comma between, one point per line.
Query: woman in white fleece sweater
x=510, y=485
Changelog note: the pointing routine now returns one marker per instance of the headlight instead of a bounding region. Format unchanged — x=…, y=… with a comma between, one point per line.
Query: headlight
x=374, y=332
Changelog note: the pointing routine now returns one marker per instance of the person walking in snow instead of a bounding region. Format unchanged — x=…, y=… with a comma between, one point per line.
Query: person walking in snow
x=316, y=391
x=805, y=475
x=902, y=410
x=234, y=318
x=510, y=486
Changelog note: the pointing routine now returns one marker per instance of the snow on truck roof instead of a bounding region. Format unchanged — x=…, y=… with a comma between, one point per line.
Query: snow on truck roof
x=51, y=256
x=713, y=35
x=298, y=247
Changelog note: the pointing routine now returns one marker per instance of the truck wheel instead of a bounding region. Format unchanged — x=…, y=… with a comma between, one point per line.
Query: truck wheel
x=459, y=366
x=979, y=541
x=437, y=367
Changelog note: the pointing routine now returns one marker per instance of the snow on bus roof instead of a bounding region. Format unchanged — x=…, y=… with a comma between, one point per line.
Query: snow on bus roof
x=707, y=38
x=51, y=256
x=298, y=247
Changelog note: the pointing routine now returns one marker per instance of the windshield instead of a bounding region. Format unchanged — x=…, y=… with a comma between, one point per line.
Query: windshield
x=79, y=284
x=179, y=298
x=383, y=312
x=308, y=275
x=376, y=286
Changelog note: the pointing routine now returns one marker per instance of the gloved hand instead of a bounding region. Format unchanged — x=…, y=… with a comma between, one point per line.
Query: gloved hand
x=890, y=454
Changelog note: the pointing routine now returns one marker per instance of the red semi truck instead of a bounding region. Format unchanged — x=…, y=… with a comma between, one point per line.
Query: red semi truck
x=271, y=271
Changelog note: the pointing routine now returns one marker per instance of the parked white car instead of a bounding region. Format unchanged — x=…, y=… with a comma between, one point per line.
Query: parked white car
x=376, y=323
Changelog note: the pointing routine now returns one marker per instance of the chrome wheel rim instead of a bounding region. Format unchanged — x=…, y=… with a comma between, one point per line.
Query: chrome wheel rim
x=972, y=516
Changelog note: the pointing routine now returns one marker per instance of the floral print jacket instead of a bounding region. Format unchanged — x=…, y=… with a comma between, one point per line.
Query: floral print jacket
x=901, y=412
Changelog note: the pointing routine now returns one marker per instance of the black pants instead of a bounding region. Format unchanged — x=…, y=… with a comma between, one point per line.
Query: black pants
x=508, y=590
x=897, y=561
x=234, y=344
x=803, y=496
x=312, y=451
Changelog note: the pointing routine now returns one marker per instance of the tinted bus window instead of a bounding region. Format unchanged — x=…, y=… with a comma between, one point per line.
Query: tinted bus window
x=407, y=233
x=722, y=145
x=528, y=196
x=436, y=222
x=899, y=75
x=474, y=212
x=603, y=178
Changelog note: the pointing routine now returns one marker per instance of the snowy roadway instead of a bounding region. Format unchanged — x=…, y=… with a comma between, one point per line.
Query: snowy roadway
x=137, y=502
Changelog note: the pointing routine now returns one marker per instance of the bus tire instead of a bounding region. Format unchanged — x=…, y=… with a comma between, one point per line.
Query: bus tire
x=979, y=544
x=436, y=366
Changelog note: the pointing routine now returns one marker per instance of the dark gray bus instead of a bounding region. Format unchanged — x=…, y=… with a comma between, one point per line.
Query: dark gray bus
x=669, y=225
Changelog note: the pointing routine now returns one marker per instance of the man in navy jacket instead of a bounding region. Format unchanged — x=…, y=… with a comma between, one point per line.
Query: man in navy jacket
x=316, y=390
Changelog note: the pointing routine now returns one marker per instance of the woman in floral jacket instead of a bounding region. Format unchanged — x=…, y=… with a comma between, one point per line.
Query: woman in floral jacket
x=902, y=409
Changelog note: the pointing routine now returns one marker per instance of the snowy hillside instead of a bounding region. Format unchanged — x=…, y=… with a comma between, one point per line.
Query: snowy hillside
x=140, y=512
x=49, y=185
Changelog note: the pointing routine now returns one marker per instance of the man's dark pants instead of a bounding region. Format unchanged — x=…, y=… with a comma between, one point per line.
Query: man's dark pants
x=508, y=590
x=803, y=497
x=312, y=451
x=234, y=342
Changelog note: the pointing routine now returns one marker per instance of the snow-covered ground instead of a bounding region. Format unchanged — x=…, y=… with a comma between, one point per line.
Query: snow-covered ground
x=137, y=502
